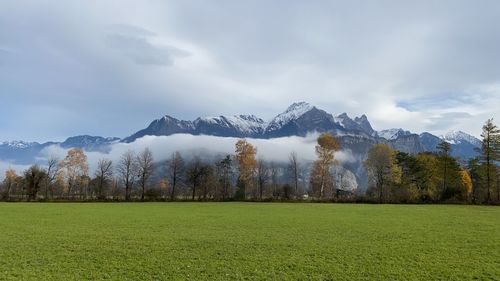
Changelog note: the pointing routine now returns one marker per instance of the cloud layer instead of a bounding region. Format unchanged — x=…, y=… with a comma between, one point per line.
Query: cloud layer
x=109, y=67
x=272, y=150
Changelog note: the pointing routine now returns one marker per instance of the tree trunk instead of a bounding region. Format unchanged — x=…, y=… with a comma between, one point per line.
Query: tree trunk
x=445, y=172
x=143, y=185
x=9, y=186
x=380, y=187
x=127, y=190
x=488, y=180
x=172, y=194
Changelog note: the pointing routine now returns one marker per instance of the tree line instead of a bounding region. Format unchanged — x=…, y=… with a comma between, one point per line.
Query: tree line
x=393, y=176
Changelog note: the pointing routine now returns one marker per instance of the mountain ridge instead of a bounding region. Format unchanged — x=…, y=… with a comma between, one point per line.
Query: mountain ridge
x=299, y=119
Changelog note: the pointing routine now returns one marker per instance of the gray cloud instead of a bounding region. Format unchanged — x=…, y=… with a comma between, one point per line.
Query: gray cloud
x=108, y=68
x=134, y=42
x=448, y=120
x=131, y=30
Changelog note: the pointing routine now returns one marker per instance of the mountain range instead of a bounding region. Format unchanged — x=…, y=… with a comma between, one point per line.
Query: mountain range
x=299, y=119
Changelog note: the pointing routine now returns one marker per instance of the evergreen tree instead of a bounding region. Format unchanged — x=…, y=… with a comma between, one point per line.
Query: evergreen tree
x=490, y=151
x=224, y=175
x=444, y=149
x=477, y=174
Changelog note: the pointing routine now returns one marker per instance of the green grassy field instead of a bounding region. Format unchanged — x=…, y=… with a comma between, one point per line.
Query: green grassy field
x=254, y=241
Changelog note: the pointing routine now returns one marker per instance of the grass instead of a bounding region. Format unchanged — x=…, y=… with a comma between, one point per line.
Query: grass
x=255, y=241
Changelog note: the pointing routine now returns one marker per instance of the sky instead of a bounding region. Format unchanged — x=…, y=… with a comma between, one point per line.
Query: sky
x=110, y=67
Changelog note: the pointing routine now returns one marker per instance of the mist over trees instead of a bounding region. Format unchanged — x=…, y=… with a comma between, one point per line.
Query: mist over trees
x=393, y=176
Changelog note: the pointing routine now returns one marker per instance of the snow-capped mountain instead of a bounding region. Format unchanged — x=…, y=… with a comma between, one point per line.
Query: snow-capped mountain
x=392, y=134
x=458, y=137
x=293, y=112
x=356, y=135
x=18, y=144
x=244, y=125
x=299, y=119
x=164, y=126
x=358, y=124
x=19, y=152
x=90, y=143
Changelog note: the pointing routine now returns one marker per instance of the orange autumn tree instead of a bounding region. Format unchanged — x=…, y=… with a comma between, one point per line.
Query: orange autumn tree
x=75, y=169
x=245, y=156
x=9, y=182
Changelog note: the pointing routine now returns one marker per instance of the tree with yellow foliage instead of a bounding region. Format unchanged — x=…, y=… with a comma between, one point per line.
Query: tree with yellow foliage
x=321, y=178
x=466, y=183
x=428, y=176
x=382, y=168
x=247, y=164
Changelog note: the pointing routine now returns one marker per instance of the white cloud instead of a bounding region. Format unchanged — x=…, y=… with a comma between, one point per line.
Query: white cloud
x=162, y=147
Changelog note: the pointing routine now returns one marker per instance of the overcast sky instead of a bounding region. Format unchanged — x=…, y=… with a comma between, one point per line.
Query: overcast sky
x=110, y=67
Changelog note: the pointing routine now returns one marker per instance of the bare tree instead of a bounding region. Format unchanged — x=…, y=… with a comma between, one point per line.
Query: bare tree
x=127, y=171
x=224, y=174
x=53, y=171
x=175, y=167
x=207, y=179
x=262, y=176
x=274, y=171
x=103, y=175
x=293, y=166
x=194, y=174
x=145, y=169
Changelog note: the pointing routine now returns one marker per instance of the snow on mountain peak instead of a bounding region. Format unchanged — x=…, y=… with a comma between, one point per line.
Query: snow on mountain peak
x=457, y=137
x=293, y=112
x=244, y=123
x=342, y=119
x=297, y=106
x=18, y=144
x=392, y=134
